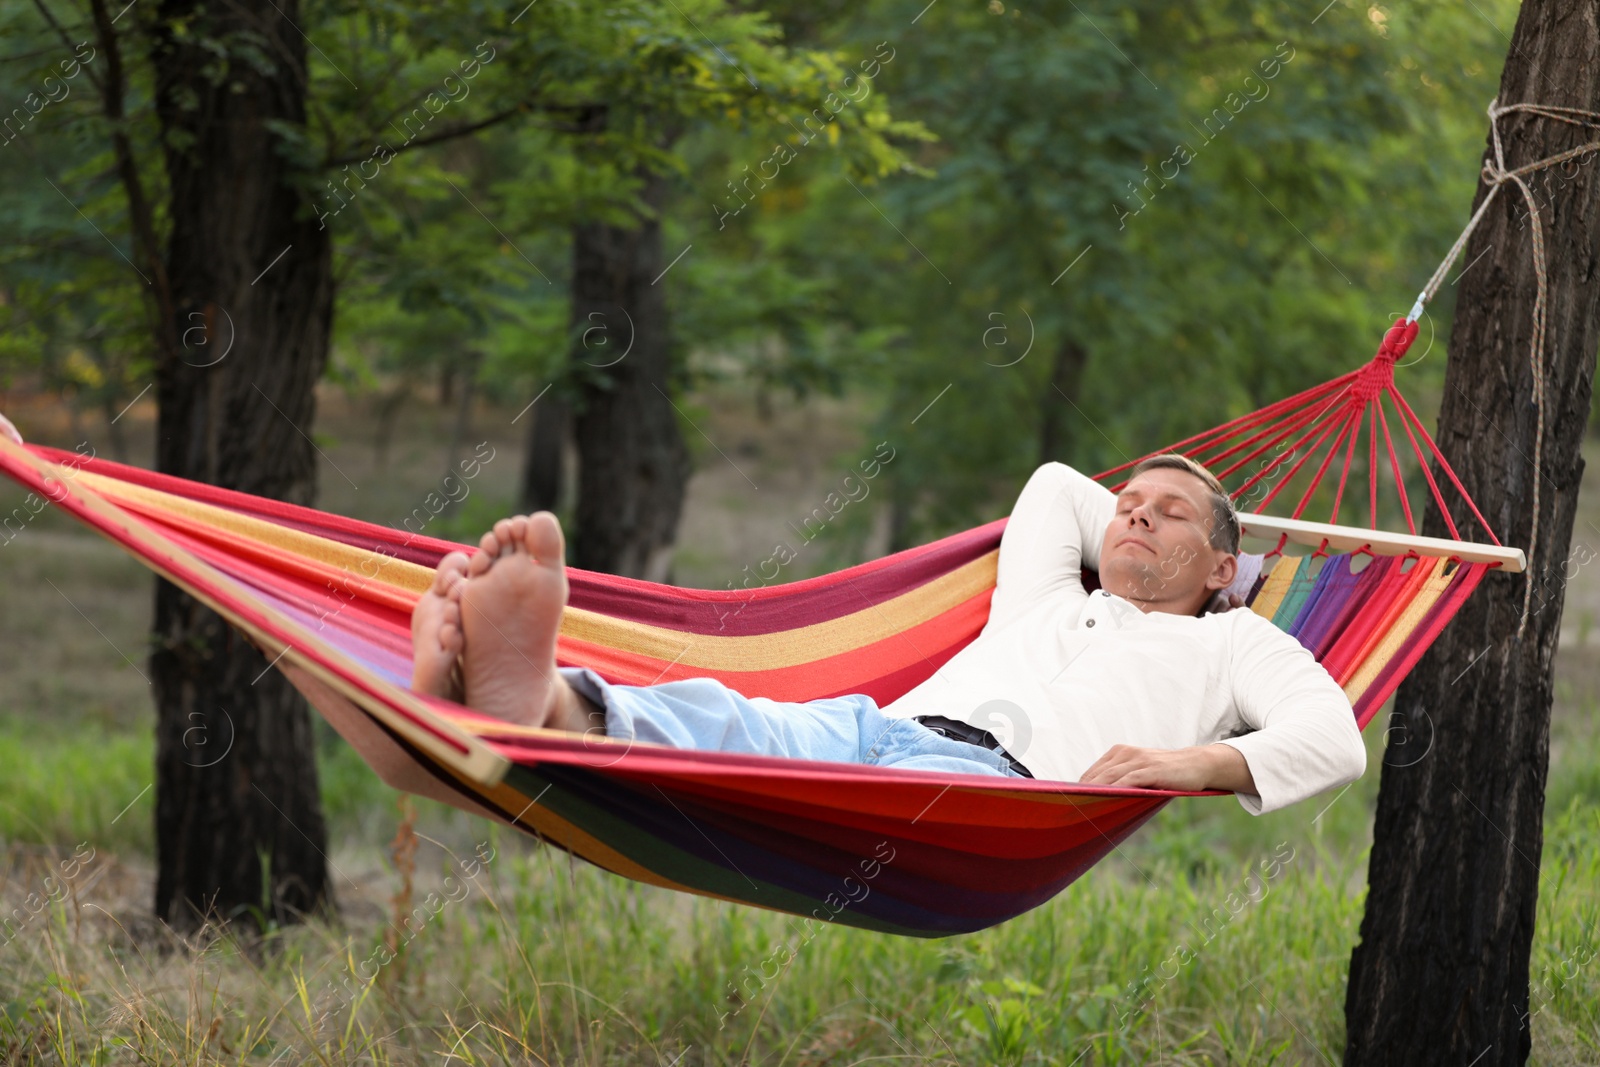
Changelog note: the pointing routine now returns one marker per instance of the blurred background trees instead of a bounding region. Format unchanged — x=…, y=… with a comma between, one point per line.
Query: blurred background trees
x=1125, y=194
x=1059, y=230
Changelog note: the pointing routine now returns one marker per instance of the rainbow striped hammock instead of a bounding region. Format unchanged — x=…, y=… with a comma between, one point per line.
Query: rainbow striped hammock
x=328, y=600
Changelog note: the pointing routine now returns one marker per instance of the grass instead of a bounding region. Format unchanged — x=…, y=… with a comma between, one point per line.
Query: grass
x=1212, y=937
x=551, y=962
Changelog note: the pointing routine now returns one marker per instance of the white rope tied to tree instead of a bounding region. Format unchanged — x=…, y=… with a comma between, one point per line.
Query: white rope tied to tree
x=1496, y=175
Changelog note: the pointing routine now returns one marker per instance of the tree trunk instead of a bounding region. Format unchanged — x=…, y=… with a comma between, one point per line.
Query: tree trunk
x=119, y=440
x=633, y=464
x=387, y=407
x=1060, y=414
x=1441, y=972
x=543, y=466
x=901, y=503
x=239, y=827
x=463, y=420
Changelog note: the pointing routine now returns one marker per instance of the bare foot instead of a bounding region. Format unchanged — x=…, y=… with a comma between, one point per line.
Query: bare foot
x=436, y=636
x=511, y=612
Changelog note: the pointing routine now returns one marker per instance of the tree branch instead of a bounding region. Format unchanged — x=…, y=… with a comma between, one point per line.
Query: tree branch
x=140, y=217
x=464, y=130
x=62, y=33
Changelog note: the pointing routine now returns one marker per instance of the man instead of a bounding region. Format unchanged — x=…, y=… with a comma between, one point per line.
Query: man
x=1129, y=686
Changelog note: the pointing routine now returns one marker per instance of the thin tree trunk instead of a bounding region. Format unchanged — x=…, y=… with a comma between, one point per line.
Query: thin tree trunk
x=1441, y=972
x=119, y=440
x=239, y=827
x=387, y=408
x=463, y=420
x=1066, y=374
x=901, y=504
x=75, y=420
x=633, y=465
x=543, y=467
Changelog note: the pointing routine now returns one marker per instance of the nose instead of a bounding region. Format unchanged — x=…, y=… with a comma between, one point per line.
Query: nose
x=1140, y=516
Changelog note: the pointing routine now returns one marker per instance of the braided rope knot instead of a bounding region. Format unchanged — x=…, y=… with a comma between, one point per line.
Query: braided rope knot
x=1378, y=376
x=1496, y=175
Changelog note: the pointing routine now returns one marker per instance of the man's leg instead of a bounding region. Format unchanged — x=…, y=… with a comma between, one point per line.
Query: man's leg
x=510, y=607
x=704, y=713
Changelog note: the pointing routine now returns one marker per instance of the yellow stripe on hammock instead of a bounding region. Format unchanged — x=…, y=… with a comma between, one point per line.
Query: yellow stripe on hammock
x=1432, y=589
x=753, y=653
x=1276, y=586
x=396, y=573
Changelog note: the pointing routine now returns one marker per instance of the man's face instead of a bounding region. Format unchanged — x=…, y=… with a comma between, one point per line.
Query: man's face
x=1157, y=550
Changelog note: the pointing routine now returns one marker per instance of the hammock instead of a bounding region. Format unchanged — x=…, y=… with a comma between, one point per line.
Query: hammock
x=328, y=600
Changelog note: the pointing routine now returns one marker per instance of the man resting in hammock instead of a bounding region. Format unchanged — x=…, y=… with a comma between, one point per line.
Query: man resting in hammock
x=1132, y=685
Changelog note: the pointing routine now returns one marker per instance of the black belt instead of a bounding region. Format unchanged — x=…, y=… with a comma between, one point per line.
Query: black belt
x=972, y=735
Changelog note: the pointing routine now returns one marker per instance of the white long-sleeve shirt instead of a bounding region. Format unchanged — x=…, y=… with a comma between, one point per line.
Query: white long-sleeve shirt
x=1059, y=675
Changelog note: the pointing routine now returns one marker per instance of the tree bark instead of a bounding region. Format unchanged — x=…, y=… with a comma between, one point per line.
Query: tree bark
x=239, y=829
x=1440, y=975
x=633, y=465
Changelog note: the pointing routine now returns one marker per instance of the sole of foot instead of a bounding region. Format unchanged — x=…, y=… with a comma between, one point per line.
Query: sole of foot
x=437, y=640
x=511, y=609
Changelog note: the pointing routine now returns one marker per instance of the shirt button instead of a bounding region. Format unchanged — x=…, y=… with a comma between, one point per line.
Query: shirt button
x=1089, y=623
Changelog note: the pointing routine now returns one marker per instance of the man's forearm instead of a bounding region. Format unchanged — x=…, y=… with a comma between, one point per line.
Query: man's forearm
x=1200, y=767
x=1227, y=769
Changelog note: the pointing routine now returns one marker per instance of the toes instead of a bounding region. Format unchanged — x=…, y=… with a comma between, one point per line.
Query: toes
x=488, y=551
x=450, y=639
x=452, y=568
x=544, y=539
x=502, y=532
x=519, y=532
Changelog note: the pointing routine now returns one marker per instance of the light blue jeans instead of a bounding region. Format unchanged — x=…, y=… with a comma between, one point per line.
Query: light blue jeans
x=705, y=714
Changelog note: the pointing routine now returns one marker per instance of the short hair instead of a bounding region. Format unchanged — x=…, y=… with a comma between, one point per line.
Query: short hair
x=1224, y=520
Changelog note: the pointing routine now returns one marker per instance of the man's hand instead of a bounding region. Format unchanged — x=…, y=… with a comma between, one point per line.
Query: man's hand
x=9, y=430
x=1190, y=769
x=1220, y=603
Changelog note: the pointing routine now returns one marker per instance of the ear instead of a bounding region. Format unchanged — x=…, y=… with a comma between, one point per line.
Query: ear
x=1223, y=574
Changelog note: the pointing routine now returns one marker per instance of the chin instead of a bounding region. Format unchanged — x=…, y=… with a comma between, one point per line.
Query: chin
x=1119, y=579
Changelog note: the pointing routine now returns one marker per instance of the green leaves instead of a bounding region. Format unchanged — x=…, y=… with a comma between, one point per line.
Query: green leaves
x=1171, y=214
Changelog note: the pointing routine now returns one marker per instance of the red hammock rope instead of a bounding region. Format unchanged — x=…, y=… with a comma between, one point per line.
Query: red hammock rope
x=1325, y=420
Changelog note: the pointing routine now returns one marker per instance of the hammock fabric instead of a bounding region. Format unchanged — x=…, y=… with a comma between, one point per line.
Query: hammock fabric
x=328, y=600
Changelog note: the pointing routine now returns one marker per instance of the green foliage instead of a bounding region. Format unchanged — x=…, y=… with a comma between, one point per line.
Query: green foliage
x=942, y=208
x=71, y=313
x=451, y=145
x=1253, y=199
